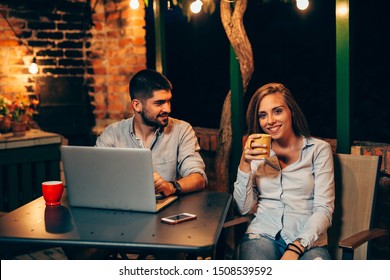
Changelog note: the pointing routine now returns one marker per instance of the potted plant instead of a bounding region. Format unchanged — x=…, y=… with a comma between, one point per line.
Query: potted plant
x=20, y=111
x=5, y=117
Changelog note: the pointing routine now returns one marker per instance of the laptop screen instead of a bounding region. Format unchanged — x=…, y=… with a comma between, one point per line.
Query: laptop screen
x=109, y=178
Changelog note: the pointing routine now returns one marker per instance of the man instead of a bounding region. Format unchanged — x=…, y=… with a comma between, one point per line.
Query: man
x=178, y=166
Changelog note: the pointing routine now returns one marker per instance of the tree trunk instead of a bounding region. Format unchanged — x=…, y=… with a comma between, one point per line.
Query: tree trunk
x=232, y=19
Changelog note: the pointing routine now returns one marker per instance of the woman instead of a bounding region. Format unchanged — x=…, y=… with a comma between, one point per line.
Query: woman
x=292, y=190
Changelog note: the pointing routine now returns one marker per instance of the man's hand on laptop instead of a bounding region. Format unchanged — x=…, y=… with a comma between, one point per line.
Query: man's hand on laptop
x=163, y=187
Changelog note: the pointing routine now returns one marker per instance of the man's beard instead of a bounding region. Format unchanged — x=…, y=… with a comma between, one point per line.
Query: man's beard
x=153, y=122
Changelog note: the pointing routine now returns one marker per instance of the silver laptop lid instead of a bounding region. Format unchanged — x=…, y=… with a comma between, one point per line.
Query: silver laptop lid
x=109, y=178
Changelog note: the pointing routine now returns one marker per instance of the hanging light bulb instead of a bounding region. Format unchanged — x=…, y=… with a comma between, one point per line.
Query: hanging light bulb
x=196, y=6
x=134, y=4
x=302, y=4
x=33, y=69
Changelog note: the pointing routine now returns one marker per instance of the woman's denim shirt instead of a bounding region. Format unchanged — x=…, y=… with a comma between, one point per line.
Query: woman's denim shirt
x=297, y=201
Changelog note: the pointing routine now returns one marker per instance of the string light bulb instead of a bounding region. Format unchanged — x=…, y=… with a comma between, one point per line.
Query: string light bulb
x=33, y=69
x=302, y=4
x=342, y=9
x=134, y=4
x=196, y=6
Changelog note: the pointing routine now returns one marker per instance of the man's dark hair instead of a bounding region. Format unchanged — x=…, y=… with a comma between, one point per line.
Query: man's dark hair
x=145, y=82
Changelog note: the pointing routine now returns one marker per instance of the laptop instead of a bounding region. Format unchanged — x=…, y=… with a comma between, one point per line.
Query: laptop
x=111, y=178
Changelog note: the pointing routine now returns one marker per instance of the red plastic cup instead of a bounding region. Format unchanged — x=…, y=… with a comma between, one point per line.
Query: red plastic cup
x=52, y=192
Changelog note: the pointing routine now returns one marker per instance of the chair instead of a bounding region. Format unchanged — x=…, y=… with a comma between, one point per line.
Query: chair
x=356, y=179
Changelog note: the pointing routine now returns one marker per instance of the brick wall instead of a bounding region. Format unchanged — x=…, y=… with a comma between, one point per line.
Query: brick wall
x=208, y=141
x=101, y=41
x=117, y=51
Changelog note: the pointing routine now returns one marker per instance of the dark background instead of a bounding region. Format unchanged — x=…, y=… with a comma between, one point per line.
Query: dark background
x=293, y=47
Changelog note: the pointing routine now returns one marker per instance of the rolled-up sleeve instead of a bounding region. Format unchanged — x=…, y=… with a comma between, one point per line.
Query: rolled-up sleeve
x=189, y=158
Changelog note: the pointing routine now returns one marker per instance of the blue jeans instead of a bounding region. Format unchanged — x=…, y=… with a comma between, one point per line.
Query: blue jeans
x=258, y=247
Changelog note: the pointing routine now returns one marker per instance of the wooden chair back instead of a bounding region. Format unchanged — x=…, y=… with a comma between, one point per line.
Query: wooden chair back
x=356, y=178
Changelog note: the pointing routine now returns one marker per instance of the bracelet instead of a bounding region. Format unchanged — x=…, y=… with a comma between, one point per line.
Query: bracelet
x=296, y=247
x=298, y=253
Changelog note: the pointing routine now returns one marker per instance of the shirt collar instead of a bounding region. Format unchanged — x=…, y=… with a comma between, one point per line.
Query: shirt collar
x=307, y=142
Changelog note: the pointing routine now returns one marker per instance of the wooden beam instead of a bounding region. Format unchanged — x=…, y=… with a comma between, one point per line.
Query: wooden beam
x=343, y=128
x=159, y=33
x=236, y=109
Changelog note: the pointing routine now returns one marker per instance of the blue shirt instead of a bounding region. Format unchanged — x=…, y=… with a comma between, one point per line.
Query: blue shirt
x=175, y=148
x=297, y=201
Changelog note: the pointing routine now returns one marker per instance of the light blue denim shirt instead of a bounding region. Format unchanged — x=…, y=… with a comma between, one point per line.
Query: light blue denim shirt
x=297, y=201
x=175, y=149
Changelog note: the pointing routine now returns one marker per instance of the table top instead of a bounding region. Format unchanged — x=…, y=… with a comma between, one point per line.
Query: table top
x=33, y=137
x=65, y=225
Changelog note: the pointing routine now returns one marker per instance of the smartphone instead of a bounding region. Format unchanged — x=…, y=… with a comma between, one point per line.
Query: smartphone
x=179, y=218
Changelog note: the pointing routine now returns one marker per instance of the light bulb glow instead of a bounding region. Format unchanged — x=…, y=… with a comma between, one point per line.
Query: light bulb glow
x=342, y=10
x=33, y=68
x=302, y=4
x=196, y=6
x=134, y=4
